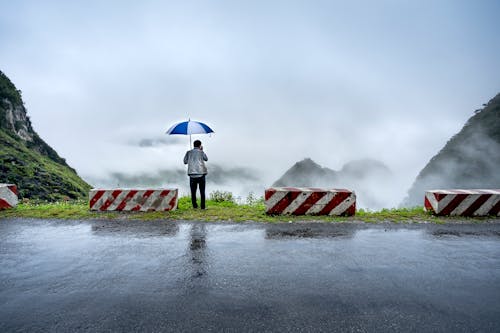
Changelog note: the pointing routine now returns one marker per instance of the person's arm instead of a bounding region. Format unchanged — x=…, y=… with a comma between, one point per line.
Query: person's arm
x=186, y=157
x=205, y=158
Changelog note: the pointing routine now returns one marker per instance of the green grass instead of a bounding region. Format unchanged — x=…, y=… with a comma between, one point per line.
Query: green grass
x=216, y=211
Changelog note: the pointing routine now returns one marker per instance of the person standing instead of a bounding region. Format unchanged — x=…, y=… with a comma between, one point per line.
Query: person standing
x=195, y=159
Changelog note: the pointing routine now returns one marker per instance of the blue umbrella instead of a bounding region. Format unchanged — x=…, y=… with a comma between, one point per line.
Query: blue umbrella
x=188, y=128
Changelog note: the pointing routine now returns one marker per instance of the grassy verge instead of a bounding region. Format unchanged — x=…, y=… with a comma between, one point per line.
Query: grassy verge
x=217, y=211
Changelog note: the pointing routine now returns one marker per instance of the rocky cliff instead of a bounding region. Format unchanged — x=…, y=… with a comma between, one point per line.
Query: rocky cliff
x=26, y=160
x=470, y=159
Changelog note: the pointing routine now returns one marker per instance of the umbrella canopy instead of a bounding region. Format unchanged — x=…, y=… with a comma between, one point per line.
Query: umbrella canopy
x=189, y=127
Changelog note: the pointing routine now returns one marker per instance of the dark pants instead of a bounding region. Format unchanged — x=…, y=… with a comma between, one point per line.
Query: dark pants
x=193, y=183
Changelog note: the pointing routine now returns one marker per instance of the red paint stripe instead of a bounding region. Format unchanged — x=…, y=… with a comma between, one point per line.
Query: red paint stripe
x=96, y=197
x=453, y=204
x=427, y=205
x=13, y=189
x=164, y=193
x=172, y=202
x=336, y=200
x=269, y=193
x=309, y=202
x=439, y=196
x=283, y=203
x=109, y=201
x=495, y=210
x=148, y=193
x=4, y=204
x=351, y=211
x=476, y=204
x=127, y=198
x=136, y=208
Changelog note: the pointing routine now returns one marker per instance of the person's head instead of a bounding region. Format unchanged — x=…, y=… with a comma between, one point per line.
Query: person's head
x=197, y=144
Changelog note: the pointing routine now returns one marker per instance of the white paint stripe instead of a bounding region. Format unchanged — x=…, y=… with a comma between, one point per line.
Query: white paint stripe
x=497, y=192
x=9, y=196
x=149, y=201
x=301, y=198
x=99, y=203
x=275, y=198
x=466, y=203
x=480, y=192
x=175, y=193
x=161, y=203
x=432, y=200
x=441, y=205
x=466, y=191
x=108, y=196
x=134, y=201
x=118, y=200
x=321, y=203
x=470, y=192
x=343, y=206
x=487, y=206
x=442, y=191
x=167, y=199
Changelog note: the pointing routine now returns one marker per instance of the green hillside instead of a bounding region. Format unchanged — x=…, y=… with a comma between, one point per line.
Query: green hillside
x=26, y=160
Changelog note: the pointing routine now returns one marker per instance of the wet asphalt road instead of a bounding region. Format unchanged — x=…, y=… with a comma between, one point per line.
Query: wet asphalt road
x=163, y=276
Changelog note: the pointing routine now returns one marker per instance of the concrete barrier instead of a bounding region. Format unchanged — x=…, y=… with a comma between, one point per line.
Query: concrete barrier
x=8, y=196
x=133, y=199
x=309, y=201
x=463, y=202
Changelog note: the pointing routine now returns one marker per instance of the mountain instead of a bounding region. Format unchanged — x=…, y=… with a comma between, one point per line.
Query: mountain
x=366, y=177
x=306, y=173
x=470, y=159
x=26, y=160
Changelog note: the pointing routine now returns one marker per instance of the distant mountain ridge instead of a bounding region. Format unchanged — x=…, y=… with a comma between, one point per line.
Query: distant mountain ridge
x=28, y=161
x=470, y=159
x=365, y=177
x=306, y=173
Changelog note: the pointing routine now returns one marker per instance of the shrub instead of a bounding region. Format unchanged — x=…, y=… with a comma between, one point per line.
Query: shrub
x=222, y=196
x=253, y=200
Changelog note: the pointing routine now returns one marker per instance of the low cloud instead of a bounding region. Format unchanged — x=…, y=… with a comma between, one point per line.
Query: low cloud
x=157, y=142
x=238, y=180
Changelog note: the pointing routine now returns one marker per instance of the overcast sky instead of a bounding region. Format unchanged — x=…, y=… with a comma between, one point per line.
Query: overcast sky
x=277, y=80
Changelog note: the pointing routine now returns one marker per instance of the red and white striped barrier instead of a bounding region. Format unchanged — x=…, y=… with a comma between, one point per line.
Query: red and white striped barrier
x=309, y=201
x=133, y=199
x=463, y=202
x=8, y=196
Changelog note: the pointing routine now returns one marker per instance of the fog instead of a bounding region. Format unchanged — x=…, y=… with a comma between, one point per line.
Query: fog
x=470, y=160
x=278, y=81
x=371, y=181
x=241, y=182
